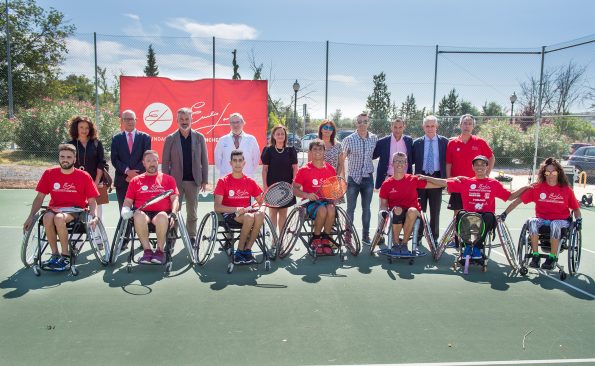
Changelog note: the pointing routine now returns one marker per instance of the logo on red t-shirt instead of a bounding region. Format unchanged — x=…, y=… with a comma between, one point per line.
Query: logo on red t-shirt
x=315, y=182
x=66, y=187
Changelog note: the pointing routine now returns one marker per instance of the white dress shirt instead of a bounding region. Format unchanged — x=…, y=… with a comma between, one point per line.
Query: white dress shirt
x=249, y=147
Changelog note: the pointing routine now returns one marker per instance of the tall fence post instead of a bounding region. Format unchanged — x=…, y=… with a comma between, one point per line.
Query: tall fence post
x=96, y=81
x=435, y=77
x=538, y=114
x=213, y=118
x=326, y=84
x=9, y=67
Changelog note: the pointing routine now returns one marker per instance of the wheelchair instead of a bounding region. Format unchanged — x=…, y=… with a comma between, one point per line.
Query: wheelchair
x=385, y=229
x=571, y=241
x=35, y=242
x=213, y=229
x=125, y=236
x=470, y=234
x=299, y=226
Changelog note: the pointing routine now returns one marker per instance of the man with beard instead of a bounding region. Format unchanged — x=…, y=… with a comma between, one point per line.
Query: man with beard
x=67, y=187
x=142, y=188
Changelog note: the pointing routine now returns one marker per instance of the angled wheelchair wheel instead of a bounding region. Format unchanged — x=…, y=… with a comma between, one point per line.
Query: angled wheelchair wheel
x=574, y=250
x=118, y=241
x=346, y=232
x=507, y=244
x=206, y=237
x=444, y=239
x=181, y=228
x=33, y=242
x=379, y=234
x=523, y=249
x=270, y=239
x=99, y=241
x=290, y=232
x=432, y=245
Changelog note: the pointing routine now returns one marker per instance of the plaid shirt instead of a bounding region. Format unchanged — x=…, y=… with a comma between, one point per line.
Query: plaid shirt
x=359, y=154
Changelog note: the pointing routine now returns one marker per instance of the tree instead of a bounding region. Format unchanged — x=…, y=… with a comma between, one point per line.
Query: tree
x=78, y=87
x=449, y=108
x=492, y=109
x=151, y=69
x=379, y=105
x=568, y=86
x=236, y=74
x=336, y=117
x=38, y=48
x=467, y=108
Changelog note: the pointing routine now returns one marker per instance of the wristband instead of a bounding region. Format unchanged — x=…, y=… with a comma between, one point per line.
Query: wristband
x=126, y=213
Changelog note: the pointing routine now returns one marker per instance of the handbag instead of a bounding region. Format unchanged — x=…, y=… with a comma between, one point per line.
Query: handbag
x=103, y=198
x=106, y=179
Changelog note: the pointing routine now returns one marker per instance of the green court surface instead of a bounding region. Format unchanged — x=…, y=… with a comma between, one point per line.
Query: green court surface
x=364, y=311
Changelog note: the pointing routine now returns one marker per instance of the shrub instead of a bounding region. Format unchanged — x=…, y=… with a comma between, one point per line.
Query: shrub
x=7, y=126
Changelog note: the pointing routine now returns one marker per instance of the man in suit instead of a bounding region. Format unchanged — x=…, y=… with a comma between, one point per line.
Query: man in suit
x=237, y=139
x=429, y=157
x=387, y=146
x=127, y=152
x=185, y=158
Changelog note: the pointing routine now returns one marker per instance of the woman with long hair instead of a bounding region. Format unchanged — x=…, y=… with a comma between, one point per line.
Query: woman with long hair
x=333, y=153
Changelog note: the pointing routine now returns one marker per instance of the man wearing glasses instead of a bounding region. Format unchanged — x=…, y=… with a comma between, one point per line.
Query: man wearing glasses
x=237, y=139
x=359, y=149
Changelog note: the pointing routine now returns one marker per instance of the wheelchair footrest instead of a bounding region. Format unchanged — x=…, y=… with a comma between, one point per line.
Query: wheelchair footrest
x=392, y=254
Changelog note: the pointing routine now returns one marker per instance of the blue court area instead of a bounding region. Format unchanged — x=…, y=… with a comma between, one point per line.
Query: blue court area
x=362, y=311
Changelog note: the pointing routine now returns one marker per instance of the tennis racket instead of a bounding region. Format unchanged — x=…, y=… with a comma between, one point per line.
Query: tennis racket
x=276, y=195
x=331, y=189
x=161, y=196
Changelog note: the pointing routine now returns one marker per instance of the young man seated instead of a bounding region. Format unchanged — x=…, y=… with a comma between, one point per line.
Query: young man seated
x=232, y=199
x=306, y=183
x=67, y=187
x=142, y=188
x=478, y=195
x=554, y=202
x=399, y=194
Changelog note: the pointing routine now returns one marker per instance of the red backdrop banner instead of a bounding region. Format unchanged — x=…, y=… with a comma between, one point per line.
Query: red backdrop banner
x=156, y=100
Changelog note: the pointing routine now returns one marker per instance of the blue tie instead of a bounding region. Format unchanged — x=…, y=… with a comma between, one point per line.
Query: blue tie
x=430, y=159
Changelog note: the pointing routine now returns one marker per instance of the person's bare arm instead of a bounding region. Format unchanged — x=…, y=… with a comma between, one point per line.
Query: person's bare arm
x=491, y=162
x=37, y=202
x=219, y=207
x=297, y=191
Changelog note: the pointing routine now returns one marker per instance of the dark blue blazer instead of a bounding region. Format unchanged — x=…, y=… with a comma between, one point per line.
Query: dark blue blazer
x=418, y=154
x=382, y=151
x=122, y=158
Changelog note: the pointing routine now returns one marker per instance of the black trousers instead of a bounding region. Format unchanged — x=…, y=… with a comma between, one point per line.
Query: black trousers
x=121, y=194
x=434, y=198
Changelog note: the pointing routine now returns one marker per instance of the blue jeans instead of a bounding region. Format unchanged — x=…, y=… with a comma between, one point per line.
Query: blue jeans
x=366, y=188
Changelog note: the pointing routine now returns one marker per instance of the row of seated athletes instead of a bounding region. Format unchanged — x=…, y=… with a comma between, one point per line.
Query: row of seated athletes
x=233, y=208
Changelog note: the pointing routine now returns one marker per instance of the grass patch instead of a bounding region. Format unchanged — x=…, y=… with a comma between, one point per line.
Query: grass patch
x=20, y=157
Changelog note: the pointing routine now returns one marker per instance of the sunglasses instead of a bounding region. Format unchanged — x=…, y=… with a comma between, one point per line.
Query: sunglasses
x=552, y=173
x=363, y=122
x=328, y=128
x=399, y=162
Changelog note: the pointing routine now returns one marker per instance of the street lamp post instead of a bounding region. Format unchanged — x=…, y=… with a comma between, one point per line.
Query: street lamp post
x=296, y=88
x=512, y=100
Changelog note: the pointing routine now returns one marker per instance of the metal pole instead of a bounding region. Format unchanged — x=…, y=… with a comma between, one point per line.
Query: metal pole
x=294, y=117
x=213, y=118
x=96, y=81
x=326, y=84
x=511, y=111
x=538, y=114
x=8, y=65
x=435, y=77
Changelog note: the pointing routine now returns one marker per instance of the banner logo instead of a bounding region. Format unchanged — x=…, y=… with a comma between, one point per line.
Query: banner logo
x=158, y=117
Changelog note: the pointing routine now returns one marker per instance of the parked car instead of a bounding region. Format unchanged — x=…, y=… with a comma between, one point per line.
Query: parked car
x=307, y=139
x=573, y=148
x=342, y=134
x=292, y=140
x=583, y=160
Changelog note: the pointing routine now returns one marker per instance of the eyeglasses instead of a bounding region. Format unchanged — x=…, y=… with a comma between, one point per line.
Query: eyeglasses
x=328, y=128
x=362, y=122
x=129, y=119
x=552, y=173
x=400, y=162
x=235, y=122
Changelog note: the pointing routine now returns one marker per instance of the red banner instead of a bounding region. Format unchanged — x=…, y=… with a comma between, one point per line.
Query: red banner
x=156, y=100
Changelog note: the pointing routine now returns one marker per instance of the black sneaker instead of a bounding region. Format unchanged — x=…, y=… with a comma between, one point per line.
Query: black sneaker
x=51, y=263
x=549, y=263
x=63, y=263
x=535, y=259
x=248, y=257
x=239, y=258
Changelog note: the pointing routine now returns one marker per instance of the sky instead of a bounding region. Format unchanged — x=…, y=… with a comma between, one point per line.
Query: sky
x=366, y=37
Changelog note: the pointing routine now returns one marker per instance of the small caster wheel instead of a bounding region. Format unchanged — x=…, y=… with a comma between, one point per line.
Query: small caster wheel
x=129, y=268
x=37, y=271
x=168, y=267
x=484, y=268
x=563, y=276
x=411, y=261
x=230, y=268
x=524, y=271
x=74, y=271
x=390, y=260
x=267, y=265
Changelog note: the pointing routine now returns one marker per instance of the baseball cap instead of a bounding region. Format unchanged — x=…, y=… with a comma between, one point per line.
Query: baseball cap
x=479, y=157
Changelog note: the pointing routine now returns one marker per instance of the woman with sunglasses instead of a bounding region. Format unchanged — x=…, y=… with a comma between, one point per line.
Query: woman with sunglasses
x=333, y=153
x=554, y=199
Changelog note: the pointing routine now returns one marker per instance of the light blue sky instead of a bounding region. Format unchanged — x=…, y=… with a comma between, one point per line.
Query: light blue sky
x=501, y=24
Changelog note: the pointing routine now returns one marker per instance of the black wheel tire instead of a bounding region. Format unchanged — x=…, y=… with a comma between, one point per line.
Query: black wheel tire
x=524, y=271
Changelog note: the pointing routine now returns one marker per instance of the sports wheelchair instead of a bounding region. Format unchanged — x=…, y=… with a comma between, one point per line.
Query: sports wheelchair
x=299, y=226
x=385, y=229
x=213, y=229
x=467, y=229
x=571, y=241
x=125, y=236
x=35, y=241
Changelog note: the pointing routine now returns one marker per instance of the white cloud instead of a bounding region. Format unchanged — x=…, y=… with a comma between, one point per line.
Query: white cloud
x=132, y=16
x=221, y=30
x=345, y=79
x=134, y=27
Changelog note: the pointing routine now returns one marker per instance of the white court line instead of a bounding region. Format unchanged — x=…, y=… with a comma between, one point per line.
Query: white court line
x=544, y=273
x=482, y=363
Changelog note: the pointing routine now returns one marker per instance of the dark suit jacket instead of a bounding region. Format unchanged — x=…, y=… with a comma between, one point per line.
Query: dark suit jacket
x=382, y=151
x=122, y=158
x=172, y=164
x=418, y=154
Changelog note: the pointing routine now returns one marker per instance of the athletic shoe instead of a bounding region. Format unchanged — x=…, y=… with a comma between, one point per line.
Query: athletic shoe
x=147, y=257
x=395, y=248
x=248, y=257
x=238, y=257
x=452, y=244
x=51, y=263
x=63, y=263
x=550, y=263
x=476, y=253
x=158, y=257
x=315, y=243
x=367, y=241
x=405, y=249
x=535, y=259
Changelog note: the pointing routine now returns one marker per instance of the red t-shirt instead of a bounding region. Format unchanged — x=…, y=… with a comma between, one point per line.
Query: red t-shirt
x=67, y=190
x=551, y=202
x=461, y=155
x=402, y=192
x=311, y=177
x=144, y=187
x=479, y=195
x=237, y=192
